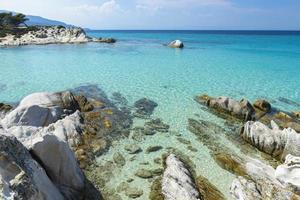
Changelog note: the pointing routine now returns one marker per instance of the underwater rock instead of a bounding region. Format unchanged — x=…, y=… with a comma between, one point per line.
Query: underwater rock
x=157, y=125
x=133, y=148
x=296, y=114
x=133, y=192
x=289, y=173
x=144, y=107
x=153, y=149
x=156, y=193
x=144, y=173
x=41, y=109
x=105, y=40
x=119, y=159
x=207, y=190
x=183, y=141
x=242, y=109
x=176, y=44
x=275, y=142
x=262, y=105
x=84, y=104
x=21, y=176
x=177, y=181
x=5, y=107
x=289, y=102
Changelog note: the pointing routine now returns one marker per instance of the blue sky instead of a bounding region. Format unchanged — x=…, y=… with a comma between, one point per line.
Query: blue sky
x=165, y=14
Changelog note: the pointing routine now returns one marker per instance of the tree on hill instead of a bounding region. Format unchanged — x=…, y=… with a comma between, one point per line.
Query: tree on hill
x=10, y=21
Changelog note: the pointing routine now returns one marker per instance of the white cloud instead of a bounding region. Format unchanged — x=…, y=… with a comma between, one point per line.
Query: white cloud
x=107, y=8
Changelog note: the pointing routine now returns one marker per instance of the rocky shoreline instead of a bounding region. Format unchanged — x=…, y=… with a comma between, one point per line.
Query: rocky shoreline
x=43, y=35
x=53, y=146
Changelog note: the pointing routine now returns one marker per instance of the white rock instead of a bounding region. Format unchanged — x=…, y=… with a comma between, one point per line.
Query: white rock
x=274, y=141
x=47, y=35
x=60, y=164
x=21, y=177
x=40, y=109
x=243, y=189
x=176, y=44
x=177, y=182
x=241, y=109
x=289, y=172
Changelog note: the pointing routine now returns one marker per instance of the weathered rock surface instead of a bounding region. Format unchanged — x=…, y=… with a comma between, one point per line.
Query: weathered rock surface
x=60, y=164
x=263, y=105
x=242, y=109
x=176, y=44
x=41, y=109
x=289, y=173
x=47, y=35
x=21, y=177
x=177, y=181
x=275, y=142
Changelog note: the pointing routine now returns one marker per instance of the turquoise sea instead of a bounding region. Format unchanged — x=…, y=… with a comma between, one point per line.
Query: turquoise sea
x=229, y=63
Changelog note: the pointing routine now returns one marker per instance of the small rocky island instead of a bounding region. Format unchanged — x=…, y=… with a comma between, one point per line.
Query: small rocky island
x=15, y=32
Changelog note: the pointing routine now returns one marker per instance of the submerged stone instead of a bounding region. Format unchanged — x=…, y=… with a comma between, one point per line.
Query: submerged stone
x=153, y=149
x=144, y=107
x=134, y=192
x=119, y=159
x=144, y=173
x=133, y=148
x=157, y=125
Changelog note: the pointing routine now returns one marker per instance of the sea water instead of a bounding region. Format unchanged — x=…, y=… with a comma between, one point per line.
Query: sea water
x=238, y=64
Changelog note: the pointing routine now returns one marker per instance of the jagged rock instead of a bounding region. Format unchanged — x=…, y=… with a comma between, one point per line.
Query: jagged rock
x=242, y=109
x=176, y=44
x=262, y=105
x=47, y=35
x=177, y=181
x=41, y=109
x=273, y=141
x=21, y=176
x=145, y=107
x=289, y=173
x=5, y=107
x=133, y=149
x=68, y=129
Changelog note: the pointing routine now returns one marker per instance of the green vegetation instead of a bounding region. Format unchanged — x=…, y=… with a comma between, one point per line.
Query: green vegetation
x=13, y=24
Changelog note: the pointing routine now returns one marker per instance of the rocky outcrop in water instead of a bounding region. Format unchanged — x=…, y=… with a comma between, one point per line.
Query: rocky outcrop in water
x=176, y=44
x=177, y=181
x=47, y=35
x=22, y=177
x=242, y=109
x=273, y=141
x=48, y=132
x=144, y=107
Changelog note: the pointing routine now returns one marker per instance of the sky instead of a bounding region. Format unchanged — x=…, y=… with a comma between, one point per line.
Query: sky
x=166, y=14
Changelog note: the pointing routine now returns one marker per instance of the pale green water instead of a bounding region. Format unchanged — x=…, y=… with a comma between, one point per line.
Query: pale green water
x=138, y=65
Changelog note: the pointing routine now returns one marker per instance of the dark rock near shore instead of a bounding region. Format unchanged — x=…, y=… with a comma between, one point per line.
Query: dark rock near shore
x=154, y=149
x=263, y=105
x=144, y=107
x=157, y=125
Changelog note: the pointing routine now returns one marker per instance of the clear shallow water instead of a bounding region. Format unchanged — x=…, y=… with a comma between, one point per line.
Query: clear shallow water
x=251, y=65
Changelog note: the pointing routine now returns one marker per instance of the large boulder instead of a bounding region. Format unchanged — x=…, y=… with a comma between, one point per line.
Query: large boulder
x=60, y=164
x=176, y=44
x=41, y=109
x=273, y=141
x=21, y=177
x=177, y=181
